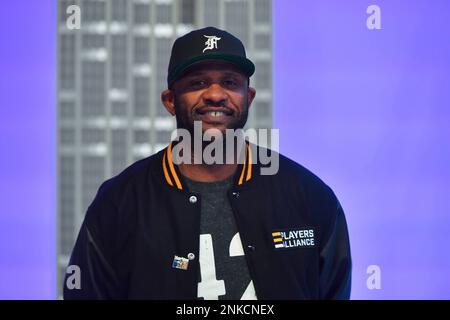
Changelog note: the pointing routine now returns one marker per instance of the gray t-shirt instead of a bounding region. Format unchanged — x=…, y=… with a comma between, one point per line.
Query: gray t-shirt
x=224, y=273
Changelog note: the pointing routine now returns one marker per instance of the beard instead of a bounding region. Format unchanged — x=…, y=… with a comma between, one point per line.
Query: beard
x=185, y=120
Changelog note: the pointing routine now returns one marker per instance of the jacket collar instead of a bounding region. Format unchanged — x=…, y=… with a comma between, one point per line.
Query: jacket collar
x=174, y=178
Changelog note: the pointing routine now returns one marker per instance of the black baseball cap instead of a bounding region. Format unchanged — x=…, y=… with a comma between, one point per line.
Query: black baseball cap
x=207, y=44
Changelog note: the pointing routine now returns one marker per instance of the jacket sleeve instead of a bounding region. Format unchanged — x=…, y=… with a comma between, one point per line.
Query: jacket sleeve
x=92, y=256
x=335, y=261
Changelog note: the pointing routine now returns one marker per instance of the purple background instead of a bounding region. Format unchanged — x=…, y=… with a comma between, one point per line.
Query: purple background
x=27, y=146
x=366, y=110
x=369, y=112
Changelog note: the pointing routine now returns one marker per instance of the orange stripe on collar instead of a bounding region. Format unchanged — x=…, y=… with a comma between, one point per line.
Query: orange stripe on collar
x=172, y=169
x=166, y=174
x=171, y=175
x=244, y=167
x=249, y=163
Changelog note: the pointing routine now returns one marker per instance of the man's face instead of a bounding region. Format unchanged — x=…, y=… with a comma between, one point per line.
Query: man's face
x=213, y=92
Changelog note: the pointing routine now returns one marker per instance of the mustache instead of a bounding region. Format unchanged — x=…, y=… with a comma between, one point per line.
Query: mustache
x=202, y=109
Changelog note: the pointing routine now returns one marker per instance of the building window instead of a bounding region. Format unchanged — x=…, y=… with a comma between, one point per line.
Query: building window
x=211, y=10
x=119, y=61
x=236, y=19
x=262, y=42
x=141, y=136
x=67, y=136
x=93, y=136
x=67, y=61
x=119, y=109
x=263, y=75
x=93, y=89
x=141, y=13
x=263, y=11
x=141, y=97
x=141, y=50
x=67, y=110
x=119, y=10
x=93, y=11
x=163, y=13
x=187, y=12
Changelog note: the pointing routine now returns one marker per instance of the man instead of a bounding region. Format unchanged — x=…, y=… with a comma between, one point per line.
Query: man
x=164, y=229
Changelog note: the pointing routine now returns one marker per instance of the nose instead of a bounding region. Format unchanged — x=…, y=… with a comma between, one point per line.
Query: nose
x=215, y=95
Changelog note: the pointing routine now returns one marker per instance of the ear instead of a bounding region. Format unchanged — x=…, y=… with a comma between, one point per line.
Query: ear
x=168, y=99
x=251, y=93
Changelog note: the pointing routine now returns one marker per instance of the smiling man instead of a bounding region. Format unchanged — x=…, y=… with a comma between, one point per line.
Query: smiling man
x=216, y=94
x=164, y=229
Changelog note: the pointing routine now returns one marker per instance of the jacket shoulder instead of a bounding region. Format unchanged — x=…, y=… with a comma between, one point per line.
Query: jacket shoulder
x=292, y=173
x=111, y=205
x=290, y=169
x=297, y=184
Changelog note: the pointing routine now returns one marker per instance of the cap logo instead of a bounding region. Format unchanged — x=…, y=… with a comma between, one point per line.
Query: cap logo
x=211, y=43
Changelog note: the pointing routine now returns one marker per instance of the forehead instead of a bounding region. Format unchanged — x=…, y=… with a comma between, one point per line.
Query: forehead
x=212, y=66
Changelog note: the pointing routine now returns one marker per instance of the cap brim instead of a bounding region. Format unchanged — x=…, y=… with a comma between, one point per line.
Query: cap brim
x=241, y=62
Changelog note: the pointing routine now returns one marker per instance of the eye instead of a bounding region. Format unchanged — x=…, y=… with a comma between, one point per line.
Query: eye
x=231, y=83
x=197, y=83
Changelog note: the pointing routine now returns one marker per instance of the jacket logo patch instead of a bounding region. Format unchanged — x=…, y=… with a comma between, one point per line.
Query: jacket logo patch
x=180, y=263
x=295, y=238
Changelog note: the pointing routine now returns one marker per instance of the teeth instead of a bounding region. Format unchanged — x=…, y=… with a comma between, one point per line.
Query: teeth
x=215, y=113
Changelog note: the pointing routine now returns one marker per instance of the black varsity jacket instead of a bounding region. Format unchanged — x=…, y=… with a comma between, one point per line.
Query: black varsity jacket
x=291, y=225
